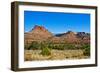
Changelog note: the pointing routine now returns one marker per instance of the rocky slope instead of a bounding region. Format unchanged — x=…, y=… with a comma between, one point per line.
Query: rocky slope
x=40, y=33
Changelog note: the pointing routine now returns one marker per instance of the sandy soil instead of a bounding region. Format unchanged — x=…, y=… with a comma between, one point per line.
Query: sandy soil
x=34, y=55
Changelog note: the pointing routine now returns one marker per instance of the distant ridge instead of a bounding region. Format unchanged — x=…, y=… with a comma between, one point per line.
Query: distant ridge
x=40, y=33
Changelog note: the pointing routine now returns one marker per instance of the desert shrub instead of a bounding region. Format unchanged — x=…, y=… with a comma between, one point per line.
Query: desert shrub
x=45, y=50
x=69, y=46
x=87, y=52
x=26, y=46
x=34, y=45
x=50, y=45
x=84, y=46
x=87, y=49
x=56, y=46
x=62, y=46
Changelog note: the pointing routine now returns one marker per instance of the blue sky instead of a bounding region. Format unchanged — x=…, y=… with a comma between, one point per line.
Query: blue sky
x=57, y=22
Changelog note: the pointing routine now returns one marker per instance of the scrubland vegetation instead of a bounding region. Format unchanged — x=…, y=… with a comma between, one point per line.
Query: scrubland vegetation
x=56, y=51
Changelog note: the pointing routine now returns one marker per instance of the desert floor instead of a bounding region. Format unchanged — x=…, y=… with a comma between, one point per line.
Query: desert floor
x=35, y=55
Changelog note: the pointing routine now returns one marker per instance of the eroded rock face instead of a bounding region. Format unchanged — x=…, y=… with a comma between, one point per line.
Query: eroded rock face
x=41, y=28
x=70, y=37
x=40, y=33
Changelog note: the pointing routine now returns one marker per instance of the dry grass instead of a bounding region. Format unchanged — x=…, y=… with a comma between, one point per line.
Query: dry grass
x=31, y=55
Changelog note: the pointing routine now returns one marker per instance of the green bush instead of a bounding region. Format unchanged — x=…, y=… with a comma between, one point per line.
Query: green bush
x=69, y=46
x=87, y=50
x=26, y=46
x=56, y=46
x=34, y=45
x=46, y=51
x=83, y=46
x=61, y=46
